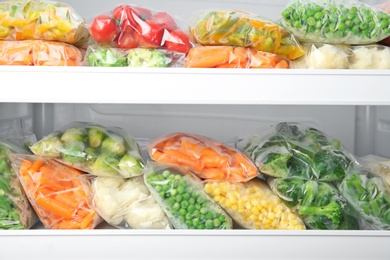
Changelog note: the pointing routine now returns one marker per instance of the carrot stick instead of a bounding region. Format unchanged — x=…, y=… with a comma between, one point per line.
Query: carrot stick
x=67, y=200
x=87, y=219
x=182, y=159
x=208, y=56
x=55, y=207
x=24, y=167
x=37, y=164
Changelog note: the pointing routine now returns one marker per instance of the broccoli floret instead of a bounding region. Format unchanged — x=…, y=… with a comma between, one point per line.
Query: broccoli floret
x=130, y=166
x=331, y=164
x=276, y=165
x=95, y=137
x=142, y=57
x=349, y=222
x=289, y=130
x=300, y=164
x=289, y=189
x=104, y=56
x=50, y=147
x=114, y=144
x=105, y=165
x=73, y=135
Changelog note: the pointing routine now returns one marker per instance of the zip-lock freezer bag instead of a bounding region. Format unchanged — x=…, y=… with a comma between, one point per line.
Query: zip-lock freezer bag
x=253, y=205
x=126, y=203
x=103, y=55
x=211, y=159
x=233, y=57
x=334, y=22
x=42, y=20
x=181, y=195
x=39, y=53
x=92, y=148
x=130, y=26
x=56, y=192
x=16, y=211
x=242, y=29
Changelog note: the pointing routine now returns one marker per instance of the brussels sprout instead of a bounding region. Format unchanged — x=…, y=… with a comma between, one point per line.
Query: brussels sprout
x=130, y=166
x=114, y=144
x=95, y=137
x=91, y=155
x=49, y=147
x=105, y=165
x=73, y=153
x=73, y=135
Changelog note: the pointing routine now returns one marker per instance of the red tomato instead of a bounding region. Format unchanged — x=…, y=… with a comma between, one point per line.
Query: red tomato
x=178, y=41
x=165, y=20
x=103, y=29
x=127, y=39
x=151, y=33
x=127, y=15
x=143, y=13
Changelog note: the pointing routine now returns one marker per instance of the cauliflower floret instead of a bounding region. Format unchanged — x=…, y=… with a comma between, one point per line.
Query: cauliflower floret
x=370, y=57
x=327, y=57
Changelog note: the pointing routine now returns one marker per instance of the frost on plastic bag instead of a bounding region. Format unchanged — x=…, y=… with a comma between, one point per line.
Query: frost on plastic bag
x=39, y=53
x=335, y=22
x=329, y=56
x=253, y=205
x=181, y=195
x=210, y=159
x=15, y=209
x=42, y=20
x=56, y=193
x=242, y=29
x=93, y=148
x=233, y=57
x=369, y=194
x=126, y=203
x=131, y=26
x=99, y=55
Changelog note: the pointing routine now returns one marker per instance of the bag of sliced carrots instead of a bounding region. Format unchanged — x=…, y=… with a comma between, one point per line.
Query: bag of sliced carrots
x=39, y=53
x=56, y=193
x=233, y=57
x=209, y=158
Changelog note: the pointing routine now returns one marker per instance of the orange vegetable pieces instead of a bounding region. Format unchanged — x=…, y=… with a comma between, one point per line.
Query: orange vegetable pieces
x=210, y=159
x=56, y=194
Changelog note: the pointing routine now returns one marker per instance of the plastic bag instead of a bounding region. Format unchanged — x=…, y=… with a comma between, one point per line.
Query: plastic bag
x=378, y=165
x=369, y=194
x=94, y=149
x=181, y=195
x=253, y=205
x=18, y=134
x=328, y=56
x=335, y=22
x=211, y=159
x=105, y=56
x=56, y=193
x=237, y=28
x=39, y=53
x=126, y=203
x=15, y=209
x=233, y=57
x=42, y=20
x=385, y=7
x=131, y=26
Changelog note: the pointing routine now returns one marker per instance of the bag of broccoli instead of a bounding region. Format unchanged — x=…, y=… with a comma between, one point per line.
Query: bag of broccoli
x=181, y=195
x=334, y=22
x=15, y=209
x=93, y=148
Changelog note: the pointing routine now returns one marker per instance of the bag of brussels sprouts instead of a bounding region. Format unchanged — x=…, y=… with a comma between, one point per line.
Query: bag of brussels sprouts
x=181, y=195
x=94, y=149
x=333, y=22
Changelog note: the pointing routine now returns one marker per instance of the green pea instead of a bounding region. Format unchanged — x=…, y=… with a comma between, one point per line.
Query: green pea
x=166, y=174
x=311, y=21
x=178, y=198
x=158, y=188
x=188, y=216
x=182, y=212
x=171, y=202
x=184, y=204
x=191, y=201
x=209, y=215
x=176, y=206
x=195, y=222
x=196, y=213
x=188, y=223
x=201, y=226
x=191, y=208
x=203, y=210
x=200, y=200
x=222, y=218
x=363, y=26
x=173, y=192
x=353, y=10
x=384, y=24
x=186, y=196
x=209, y=224
x=217, y=223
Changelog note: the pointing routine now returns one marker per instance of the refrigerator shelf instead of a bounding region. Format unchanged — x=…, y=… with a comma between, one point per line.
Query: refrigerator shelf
x=195, y=86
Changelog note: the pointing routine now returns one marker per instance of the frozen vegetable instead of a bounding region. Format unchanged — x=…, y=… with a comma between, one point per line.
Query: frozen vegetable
x=211, y=159
x=233, y=57
x=39, y=53
x=182, y=197
x=370, y=57
x=333, y=22
x=242, y=29
x=253, y=205
x=42, y=20
x=131, y=26
x=15, y=209
x=93, y=148
x=377, y=164
x=127, y=203
x=56, y=193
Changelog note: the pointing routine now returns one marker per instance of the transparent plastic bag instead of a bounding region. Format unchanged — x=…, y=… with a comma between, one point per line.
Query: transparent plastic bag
x=126, y=203
x=181, y=195
x=55, y=191
x=253, y=205
x=92, y=148
x=99, y=55
x=16, y=211
x=242, y=29
x=335, y=22
x=39, y=53
x=210, y=159
x=42, y=20
x=233, y=57
x=378, y=165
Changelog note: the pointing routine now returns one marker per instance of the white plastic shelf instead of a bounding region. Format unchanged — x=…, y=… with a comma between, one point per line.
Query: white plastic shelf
x=194, y=86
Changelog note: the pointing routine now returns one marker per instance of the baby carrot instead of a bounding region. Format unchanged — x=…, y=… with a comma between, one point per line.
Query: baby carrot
x=55, y=207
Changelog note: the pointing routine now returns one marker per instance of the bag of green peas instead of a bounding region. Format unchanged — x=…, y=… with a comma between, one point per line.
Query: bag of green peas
x=335, y=21
x=181, y=195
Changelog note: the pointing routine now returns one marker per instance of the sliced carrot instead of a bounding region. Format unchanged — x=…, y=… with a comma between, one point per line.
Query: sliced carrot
x=208, y=56
x=37, y=164
x=68, y=224
x=55, y=207
x=282, y=64
x=191, y=148
x=67, y=199
x=213, y=174
x=24, y=167
x=87, y=220
x=182, y=159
